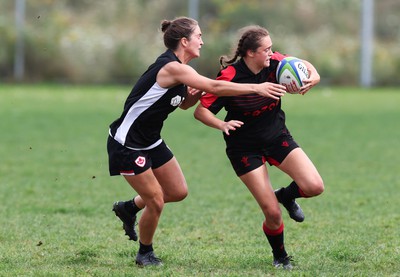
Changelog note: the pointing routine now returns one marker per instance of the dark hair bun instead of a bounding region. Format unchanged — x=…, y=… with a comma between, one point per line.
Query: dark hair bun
x=165, y=24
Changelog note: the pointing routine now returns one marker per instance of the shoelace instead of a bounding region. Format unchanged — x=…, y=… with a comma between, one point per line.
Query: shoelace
x=285, y=259
x=153, y=258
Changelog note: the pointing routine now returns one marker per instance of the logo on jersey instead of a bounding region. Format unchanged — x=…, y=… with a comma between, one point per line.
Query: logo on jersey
x=140, y=161
x=266, y=108
x=285, y=144
x=176, y=101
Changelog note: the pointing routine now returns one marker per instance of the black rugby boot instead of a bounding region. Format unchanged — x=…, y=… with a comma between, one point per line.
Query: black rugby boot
x=294, y=209
x=127, y=219
x=148, y=258
x=283, y=263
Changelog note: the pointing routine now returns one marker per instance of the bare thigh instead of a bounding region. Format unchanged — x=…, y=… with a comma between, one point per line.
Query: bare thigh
x=172, y=181
x=301, y=169
x=146, y=185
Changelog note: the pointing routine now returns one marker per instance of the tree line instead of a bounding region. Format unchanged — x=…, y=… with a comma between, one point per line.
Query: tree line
x=91, y=41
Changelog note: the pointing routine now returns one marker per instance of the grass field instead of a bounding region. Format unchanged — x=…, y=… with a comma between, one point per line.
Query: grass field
x=56, y=195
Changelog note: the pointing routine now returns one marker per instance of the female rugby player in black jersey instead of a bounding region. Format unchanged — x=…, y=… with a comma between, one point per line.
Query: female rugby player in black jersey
x=135, y=147
x=255, y=132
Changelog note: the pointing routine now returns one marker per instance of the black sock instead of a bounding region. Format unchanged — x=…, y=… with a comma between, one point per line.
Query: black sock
x=143, y=249
x=291, y=192
x=131, y=207
x=276, y=240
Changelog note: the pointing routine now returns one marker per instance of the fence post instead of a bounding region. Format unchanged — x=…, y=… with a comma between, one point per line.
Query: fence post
x=19, y=57
x=367, y=36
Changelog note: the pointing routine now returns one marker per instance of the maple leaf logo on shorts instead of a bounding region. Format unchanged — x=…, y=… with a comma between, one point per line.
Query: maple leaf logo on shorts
x=140, y=161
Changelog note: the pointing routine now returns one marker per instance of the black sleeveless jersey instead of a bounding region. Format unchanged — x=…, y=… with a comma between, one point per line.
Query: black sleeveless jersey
x=263, y=117
x=147, y=107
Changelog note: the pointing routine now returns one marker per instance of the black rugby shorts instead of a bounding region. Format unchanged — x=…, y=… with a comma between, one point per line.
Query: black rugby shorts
x=125, y=161
x=246, y=160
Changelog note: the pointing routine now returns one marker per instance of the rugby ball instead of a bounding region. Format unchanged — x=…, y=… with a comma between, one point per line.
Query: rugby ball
x=291, y=72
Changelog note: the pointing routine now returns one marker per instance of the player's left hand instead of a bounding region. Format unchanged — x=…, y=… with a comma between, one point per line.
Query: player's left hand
x=230, y=126
x=309, y=83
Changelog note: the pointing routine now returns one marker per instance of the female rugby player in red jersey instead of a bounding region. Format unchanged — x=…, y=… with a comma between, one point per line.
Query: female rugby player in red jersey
x=135, y=147
x=255, y=132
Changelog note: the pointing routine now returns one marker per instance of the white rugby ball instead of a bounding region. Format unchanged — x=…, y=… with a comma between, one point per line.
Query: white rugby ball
x=291, y=72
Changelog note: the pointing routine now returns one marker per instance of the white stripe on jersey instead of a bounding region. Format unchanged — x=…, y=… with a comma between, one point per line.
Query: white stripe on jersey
x=148, y=99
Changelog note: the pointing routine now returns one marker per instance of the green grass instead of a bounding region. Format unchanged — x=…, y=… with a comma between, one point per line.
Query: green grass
x=56, y=195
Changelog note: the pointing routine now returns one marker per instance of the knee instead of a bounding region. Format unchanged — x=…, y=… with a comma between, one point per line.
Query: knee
x=178, y=194
x=320, y=189
x=183, y=195
x=316, y=187
x=156, y=204
x=273, y=216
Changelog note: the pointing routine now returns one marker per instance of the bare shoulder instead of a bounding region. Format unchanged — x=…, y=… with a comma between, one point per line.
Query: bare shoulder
x=176, y=68
x=173, y=73
x=166, y=77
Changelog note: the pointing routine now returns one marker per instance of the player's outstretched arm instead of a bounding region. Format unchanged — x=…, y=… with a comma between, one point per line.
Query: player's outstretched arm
x=175, y=73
